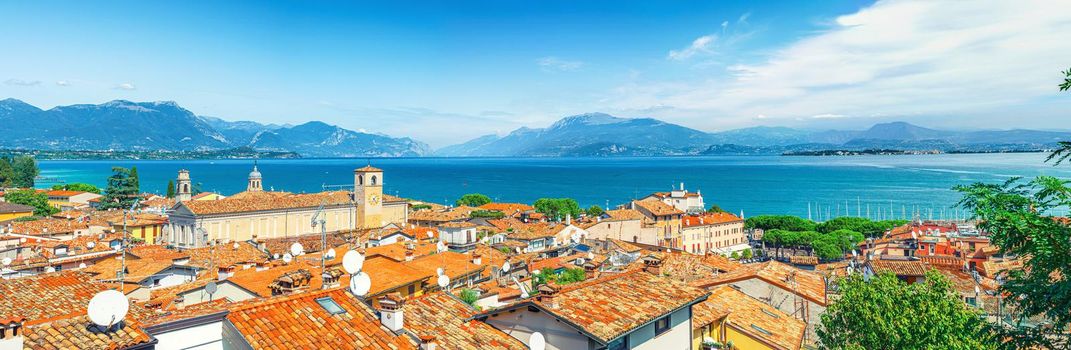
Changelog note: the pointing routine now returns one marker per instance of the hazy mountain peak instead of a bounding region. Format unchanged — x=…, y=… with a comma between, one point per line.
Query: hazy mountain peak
x=14, y=104
x=587, y=119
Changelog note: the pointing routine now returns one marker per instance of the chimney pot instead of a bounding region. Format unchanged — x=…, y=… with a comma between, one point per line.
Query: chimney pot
x=390, y=312
x=427, y=342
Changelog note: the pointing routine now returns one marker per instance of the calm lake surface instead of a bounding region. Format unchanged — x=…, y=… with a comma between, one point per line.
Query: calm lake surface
x=753, y=184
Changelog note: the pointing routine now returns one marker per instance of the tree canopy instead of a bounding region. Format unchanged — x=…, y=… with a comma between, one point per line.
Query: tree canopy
x=25, y=171
x=77, y=186
x=473, y=200
x=780, y=222
x=594, y=211
x=121, y=192
x=886, y=313
x=831, y=245
x=557, y=208
x=37, y=200
x=170, y=188
x=714, y=208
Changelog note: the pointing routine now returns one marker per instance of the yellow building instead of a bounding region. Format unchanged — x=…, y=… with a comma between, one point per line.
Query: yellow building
x=12, y=211
x=144, y=227
x=207, y=196
x=729, y=316
x=256, y=213
x=664, y=218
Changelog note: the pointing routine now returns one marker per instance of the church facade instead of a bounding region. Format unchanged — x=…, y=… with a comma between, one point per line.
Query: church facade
x=256, y=213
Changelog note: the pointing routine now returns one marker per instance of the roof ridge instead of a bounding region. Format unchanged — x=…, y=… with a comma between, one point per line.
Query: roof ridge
x=602, y=279
x=285, y=298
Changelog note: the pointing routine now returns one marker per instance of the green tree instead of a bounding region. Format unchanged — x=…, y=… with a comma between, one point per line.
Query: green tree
x=77, y=186
x=886, y=313
x=557, y=208
x=780, y=222
x=594, y=211
x=121, y=191
x=170, y=188
x=7, y=173
x=26, y=171
x=473, y=200
x=134, y=181
x=489, y=214
x=469, y=296
x=747, y=254
x=572, y=275
x=735, y=255
x=37, y=200
x=714, y=208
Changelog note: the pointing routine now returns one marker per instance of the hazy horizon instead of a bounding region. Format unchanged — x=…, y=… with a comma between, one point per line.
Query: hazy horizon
x=446, y=73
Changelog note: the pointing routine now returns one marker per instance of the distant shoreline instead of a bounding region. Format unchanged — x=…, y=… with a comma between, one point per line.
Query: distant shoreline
x=892, y=152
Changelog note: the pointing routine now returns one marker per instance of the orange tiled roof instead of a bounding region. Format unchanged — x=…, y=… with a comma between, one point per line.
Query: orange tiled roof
x=709, y=219
x=657, y=207
x=900, y=268
x=80, y=333
x=157, y=252
x=458, y=224
x=51, y=296
x=225, y=255
x=299, y=322
x=452, y=214
x=48, y=226
x=454, y=264
x=745, y=313
x=608, y=307
x=508, y=208
x=368, y=168
x=448, y=320
x=6, y=208
x=136, y=269
x=396, y=251
x=388, y=275
x=992, y=268
x=664, y=195
x=63, y=193
x=260, y=201
x=536, y=231
x=623, y=215
x=803, y=260
x=205, y=308
x=809, y=285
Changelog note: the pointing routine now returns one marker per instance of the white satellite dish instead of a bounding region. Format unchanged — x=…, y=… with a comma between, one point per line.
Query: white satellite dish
x=6, y=261
x=853, y=253
x=431, y=234
x=296, y=249
x=330, y=254
x=505, y=266
x=537, y=342
x=287, y=258
x=443, y=281
x=82, y=265
x=360, y=284
x=536, y=272
x=50, y=269
x=591, y=256
x=439, y=271
x=441, y=247
x=236, y=246
x=108, y=308
x=211, y=287
x=352, y=262
x=277, y=256
x=91, y=245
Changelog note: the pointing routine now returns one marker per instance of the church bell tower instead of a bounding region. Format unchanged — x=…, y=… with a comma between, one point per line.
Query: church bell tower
x=183, y=191
x=368, y=195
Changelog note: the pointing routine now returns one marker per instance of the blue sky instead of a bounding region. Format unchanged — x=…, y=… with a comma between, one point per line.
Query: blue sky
x=444, y=72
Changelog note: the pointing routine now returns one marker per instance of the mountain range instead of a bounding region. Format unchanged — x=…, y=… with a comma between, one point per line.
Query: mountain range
x=165, y=126
x=136, y=126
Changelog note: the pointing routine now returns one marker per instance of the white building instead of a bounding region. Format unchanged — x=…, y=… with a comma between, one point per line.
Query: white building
x=691, y=202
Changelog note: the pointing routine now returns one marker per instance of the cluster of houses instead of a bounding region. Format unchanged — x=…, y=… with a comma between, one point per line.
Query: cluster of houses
x=265, y=270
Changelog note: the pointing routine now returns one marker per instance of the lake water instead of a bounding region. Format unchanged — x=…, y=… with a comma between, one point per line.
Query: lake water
x=754, y=184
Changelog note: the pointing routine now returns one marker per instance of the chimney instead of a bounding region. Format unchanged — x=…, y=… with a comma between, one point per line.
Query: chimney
x=427, y=342
x=408, y=255
x=12, y=333
x=225, y=272
x=590, y=270
x=652, y=265
x=548, y=295
x=682, y=186
x=390, y=312
x=568, y=219
x=476, y=259
x=262, y=265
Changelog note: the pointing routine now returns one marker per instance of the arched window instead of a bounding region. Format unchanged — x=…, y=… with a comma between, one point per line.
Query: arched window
x=373, y=180
x=360, y=179
x=186, y=188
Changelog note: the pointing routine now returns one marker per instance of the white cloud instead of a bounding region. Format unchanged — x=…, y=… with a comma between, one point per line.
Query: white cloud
x=699, y=45
x=828, y=116
x=743, y=18
x=551, y=63
x=63, y=83
x=126, y=86
x=20, y=82
x=895, y=58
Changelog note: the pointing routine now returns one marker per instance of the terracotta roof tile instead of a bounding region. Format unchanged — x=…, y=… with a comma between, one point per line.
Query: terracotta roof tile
x=447, y=319
x=750, y=316
x=709, y=219
x=51, y=296
x=507, y=208
x=260, y=201
x=79, y=333
x=807, y=284
x=657, y=207
x=298, y=321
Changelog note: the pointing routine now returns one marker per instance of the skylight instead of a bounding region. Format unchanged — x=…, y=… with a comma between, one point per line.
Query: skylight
x=330, y=305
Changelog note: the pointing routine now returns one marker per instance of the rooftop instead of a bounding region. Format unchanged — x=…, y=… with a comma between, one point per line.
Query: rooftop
x=705, y=219
x=657, y=207
x=449, y=321
x=80, y=333
x=6, y=208
x=807, y=284
x=750, y=316
x=299, y=321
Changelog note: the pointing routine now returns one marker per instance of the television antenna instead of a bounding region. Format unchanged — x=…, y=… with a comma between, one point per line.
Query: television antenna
x=107, y=308
x=319, y=218
x=123, y=242
x=537, y=342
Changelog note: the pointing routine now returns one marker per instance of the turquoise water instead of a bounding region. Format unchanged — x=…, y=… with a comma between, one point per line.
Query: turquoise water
x=754, y=184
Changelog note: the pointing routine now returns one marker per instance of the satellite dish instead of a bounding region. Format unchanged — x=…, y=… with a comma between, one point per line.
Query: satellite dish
x=439, y=271
x=443, y=281
x=977, y=290
x=330, y=254
x=352, y=262
x=360, y=284
x=536, y=272
x=211, y=287
x=287, y=258
x=91, y=245
x=296, y=249
x=108, y=308
x=431, y=234
x=6, y=261
x=277, y=256
x=537, y=342
x=591, y=256
x=505, y=266
x=82, y=265
x=50, y=269
x=441, y=247
x=236, y=246
x=853, y=253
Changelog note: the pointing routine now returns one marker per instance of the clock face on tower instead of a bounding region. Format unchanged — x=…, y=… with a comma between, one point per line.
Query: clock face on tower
x=373, y=199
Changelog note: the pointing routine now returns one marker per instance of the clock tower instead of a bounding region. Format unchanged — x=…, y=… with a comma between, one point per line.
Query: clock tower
x=368, y=195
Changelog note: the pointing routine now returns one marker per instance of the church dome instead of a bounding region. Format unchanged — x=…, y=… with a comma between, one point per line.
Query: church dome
x=255, y=174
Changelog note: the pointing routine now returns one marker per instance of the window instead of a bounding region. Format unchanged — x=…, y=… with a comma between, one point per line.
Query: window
x=412, y=289
x=373, y=180
x=661, y=325
x=330, y=305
